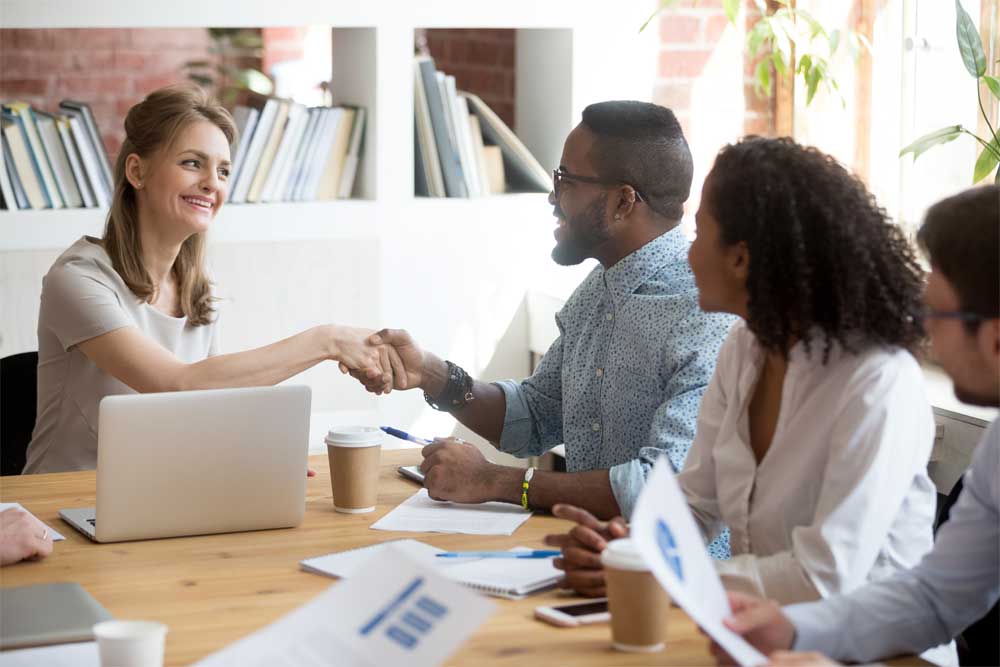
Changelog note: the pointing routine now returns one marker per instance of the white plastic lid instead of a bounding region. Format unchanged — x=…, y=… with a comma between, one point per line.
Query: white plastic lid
x=354, y=436
x=621, y=554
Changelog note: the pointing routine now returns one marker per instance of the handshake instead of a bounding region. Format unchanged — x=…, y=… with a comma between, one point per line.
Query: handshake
x=382, y=360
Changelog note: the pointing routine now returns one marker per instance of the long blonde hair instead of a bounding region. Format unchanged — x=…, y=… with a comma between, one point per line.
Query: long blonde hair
x=149, y=126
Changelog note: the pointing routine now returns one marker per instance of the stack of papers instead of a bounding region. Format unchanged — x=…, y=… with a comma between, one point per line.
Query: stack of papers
x=419, y=513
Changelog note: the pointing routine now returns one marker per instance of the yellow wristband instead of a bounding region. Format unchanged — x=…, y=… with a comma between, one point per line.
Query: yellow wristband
x=528, y=474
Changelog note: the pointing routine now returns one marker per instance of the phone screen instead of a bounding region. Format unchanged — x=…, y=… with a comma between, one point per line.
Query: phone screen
x=585, y=609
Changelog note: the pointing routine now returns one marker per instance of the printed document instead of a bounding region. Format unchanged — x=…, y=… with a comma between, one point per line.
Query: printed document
x=419, y=513
x=392, y=612
x=672, y=546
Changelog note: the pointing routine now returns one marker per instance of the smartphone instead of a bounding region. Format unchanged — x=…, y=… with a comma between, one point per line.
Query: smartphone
x=412, y=472
x=577, y=613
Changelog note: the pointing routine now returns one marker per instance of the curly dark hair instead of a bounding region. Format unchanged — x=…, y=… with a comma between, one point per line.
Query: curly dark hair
x=823, y=253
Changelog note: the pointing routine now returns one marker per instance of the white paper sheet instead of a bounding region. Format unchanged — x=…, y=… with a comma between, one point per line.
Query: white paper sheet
x=671, y=544
x=82, y=654
x=419, y=513
x=56, y=536
x=392, y=612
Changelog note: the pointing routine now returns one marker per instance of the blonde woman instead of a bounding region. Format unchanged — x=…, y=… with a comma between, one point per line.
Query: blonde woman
x=133, y=311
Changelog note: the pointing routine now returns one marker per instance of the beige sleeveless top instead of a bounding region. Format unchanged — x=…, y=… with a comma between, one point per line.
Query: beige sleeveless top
x=84, y=297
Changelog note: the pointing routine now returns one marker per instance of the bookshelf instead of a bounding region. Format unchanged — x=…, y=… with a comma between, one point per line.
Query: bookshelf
x=569, y=53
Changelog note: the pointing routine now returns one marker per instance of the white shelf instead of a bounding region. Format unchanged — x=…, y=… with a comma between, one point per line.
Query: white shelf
x=237, y=223
x=256, y=13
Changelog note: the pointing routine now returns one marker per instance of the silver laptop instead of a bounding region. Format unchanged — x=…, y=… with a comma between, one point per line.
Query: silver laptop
x=198, y=462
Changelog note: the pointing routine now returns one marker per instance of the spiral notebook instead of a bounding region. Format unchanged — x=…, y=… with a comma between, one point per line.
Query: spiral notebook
x=505, y=578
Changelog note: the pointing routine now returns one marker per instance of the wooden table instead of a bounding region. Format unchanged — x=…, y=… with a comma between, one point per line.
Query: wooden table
x=215, y=589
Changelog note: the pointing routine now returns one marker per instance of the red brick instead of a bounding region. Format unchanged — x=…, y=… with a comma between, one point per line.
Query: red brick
x=679, y=29
x=755, y=103
x=171, y=38
x=87, y=87
x=30, y=64
x=482, y=53
x=683, y=64
x=144, y=85
x=673, y=95
x=90, y=38
x=22, y=87
x=133, y=61
x=292, y=34
x=18, y=39
x=714, y=27
x=507, y=56
x=90, y=61
x=760, y=125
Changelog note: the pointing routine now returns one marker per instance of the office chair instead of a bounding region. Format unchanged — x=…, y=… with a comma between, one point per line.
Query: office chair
x=18, y=405
x=977, y=645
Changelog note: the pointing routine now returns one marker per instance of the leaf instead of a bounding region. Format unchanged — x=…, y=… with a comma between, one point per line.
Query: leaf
x=813, y=77
x=198, y=64
x=732, y=8
x=780, y=66
x=254, y=80
x=760, y=33
x=805, y=64
x=834, y=41
x=761, y=6
x=816, y=29
x=969, y=43
x=987, y=162
x=762, y=75
x=942, y=136
x=993, y=84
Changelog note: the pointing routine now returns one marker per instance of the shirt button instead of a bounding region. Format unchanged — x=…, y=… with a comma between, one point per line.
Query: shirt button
x=610, y=316
x=596, y=427
x=600, y=372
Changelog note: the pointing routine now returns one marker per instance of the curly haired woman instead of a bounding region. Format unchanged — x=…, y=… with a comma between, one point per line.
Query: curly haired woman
x=814, y=433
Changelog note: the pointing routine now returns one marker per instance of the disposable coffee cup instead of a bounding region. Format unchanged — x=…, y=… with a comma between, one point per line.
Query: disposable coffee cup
x=637, y=602
x=354, y=453
x=130, y=643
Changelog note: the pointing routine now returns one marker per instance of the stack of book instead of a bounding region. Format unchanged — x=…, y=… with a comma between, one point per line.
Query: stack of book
x=288, y=152
x=461, y=147
x=52, y=160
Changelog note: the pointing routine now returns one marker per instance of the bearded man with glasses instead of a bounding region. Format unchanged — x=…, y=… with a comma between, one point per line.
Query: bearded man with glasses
x=622, y=384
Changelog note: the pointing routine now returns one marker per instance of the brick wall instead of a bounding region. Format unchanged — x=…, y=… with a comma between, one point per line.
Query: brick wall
x=482, y=62
x=110, y=69
x=689, y=35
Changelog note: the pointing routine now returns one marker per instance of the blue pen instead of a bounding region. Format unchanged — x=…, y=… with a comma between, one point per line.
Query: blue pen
x=500, y=554
x=403, y=435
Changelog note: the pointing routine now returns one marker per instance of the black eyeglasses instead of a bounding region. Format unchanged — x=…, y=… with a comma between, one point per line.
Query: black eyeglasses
x=560, y=175
x=963, y=315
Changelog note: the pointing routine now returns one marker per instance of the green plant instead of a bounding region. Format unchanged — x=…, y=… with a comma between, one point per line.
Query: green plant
x=226, y=75
x=773, y=37
x=970, y=45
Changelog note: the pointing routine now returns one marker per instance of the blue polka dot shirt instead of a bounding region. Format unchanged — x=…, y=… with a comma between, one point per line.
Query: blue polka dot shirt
x=623, y=382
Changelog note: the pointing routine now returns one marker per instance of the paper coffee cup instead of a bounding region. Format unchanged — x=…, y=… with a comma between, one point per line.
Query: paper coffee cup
x=354, y=453
x=637, y=602
x=130, y=643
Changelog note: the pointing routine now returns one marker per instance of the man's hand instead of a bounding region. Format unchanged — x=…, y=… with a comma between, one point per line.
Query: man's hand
x=762, y=624
x=582, y=547
x=405, y=359
x=456, y=470
x=22, y=537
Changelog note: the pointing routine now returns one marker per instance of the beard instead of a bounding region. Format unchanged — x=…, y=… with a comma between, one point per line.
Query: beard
x=974, y=398
x=583, y=233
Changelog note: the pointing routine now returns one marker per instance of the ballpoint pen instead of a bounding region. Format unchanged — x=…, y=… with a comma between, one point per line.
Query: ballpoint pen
x=403, y=435
x=501, y=554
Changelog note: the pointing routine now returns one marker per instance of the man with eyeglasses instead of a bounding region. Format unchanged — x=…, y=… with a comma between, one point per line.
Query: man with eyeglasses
x=959, y=580
x=623, y=382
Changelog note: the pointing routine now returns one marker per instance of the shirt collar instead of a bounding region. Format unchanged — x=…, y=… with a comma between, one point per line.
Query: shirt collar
x=632, y=271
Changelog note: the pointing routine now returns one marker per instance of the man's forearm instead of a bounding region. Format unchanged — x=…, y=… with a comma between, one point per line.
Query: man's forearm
x=484, y=414
x=589, y=490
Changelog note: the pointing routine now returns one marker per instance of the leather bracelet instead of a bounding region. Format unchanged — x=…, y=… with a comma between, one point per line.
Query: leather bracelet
x=457, y=392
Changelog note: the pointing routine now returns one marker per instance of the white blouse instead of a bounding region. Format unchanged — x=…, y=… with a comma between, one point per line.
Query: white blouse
x=842, y=495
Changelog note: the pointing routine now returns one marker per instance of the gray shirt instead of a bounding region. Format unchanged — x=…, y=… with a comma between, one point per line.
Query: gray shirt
x=84, y=297
x=952, y=587
x=622, y=383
